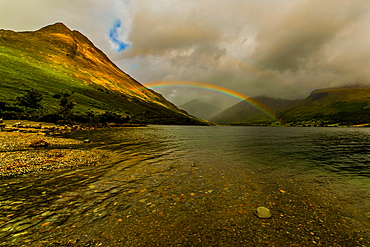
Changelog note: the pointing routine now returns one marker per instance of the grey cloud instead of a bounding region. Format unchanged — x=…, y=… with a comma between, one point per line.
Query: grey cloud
x=159, y=35
x=292, y=40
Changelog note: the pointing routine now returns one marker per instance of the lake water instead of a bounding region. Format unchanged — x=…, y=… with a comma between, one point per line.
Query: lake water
x=199, y=186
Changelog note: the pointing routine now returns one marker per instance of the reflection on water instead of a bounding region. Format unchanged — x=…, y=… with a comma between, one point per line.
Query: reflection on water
x=162, y=170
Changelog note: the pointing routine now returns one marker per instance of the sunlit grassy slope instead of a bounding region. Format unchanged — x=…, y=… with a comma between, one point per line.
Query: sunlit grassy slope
x=55, y=58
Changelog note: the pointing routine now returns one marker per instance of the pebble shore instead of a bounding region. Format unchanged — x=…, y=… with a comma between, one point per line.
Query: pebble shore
x=17, y=157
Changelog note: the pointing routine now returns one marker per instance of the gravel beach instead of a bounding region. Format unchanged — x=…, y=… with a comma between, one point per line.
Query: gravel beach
x=18, y=156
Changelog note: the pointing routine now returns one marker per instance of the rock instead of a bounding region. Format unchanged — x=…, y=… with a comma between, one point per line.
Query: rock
x=263, y=212
x=39, y=143
x=17, y=124
x=87, y=141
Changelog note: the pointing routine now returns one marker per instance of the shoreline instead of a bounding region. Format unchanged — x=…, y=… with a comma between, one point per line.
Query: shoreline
x=51, y=129
x=19, y=156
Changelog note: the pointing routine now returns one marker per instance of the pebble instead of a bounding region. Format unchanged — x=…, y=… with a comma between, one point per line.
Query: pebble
x=263, y=212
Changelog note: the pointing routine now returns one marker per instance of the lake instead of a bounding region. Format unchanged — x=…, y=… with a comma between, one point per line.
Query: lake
x=200, y=186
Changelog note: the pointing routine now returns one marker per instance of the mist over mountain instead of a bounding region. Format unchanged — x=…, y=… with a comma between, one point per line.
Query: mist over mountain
x=56, y=58
x=200, y=109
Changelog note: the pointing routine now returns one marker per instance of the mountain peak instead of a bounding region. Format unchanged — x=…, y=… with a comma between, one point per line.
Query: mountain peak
x=58, y=27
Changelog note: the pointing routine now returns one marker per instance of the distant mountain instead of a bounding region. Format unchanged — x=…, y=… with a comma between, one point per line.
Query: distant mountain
x=336, y=106
x=55, y=58
x=346, y=106
x=200, y=109
x=243, y=113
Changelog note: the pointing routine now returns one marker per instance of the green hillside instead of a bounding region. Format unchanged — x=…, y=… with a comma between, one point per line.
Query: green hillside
x=344, y=106
x=325, y=107
x=55, y=59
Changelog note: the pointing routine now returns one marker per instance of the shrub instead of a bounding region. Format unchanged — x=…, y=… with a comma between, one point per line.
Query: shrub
x=111, y=117
x=31, y=99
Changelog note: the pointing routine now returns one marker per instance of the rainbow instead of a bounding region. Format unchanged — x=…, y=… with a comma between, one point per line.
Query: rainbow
x=215, y=88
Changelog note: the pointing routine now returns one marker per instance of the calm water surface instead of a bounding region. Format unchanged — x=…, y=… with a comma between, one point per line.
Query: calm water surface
x=340, y=152
x=173, y=161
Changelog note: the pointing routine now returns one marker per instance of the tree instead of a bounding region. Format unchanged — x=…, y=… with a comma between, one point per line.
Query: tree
x=66, y=103
x=30, y=99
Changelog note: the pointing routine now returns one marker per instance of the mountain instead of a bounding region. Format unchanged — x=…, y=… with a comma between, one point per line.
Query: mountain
x=56, y=58
x=345, y=106
x=335, y=106
x=244, y=113
x=200, y=109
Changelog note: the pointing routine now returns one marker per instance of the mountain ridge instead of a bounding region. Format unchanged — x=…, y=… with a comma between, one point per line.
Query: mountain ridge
x=55, y=57
x=328, y=106
x=346, y=106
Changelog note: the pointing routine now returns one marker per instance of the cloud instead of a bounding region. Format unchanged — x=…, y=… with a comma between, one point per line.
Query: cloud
x=280, y=48
x=114, y=36
x=183, y=39
x=291, y=41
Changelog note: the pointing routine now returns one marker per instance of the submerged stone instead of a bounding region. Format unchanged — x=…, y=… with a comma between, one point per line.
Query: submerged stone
x=263, y=212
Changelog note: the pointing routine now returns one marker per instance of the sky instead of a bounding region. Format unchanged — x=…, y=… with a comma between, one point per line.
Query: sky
x=278, y=48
